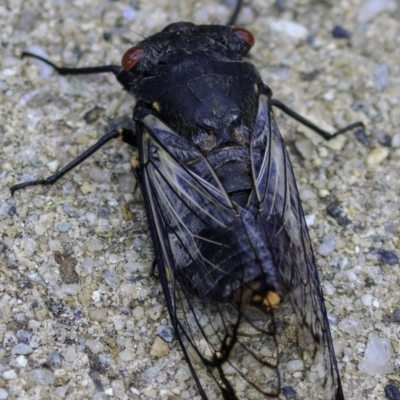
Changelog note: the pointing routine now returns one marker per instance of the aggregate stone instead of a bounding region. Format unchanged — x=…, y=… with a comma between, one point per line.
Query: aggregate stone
x=43, y=126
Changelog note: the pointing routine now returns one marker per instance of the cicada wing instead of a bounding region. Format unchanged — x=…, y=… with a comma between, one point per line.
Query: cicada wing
x=206, y=242
x=282, y=217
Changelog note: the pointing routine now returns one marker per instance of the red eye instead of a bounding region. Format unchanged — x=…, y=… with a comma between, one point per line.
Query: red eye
x=131, y=57
x=245, y=35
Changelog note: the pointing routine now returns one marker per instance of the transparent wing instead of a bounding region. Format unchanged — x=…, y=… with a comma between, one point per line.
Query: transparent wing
x=240, y=282
x=276, y=192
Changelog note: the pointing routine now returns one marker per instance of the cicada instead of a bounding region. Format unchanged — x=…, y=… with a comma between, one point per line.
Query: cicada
x=231, y=243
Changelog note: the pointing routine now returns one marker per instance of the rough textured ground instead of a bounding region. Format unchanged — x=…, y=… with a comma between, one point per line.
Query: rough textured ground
x=78, y=312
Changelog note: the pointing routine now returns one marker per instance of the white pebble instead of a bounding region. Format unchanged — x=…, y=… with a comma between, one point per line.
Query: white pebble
x=95, y=346
x=3, y=394
x=134, y=390
x=290, y=28
x=127, y=355
x=70, y=354
x=129, y=13
x=53, y=166
x=366, y=299
x=307, y=195
x=377, y=356
x=329, y=288
x=310, y=219
x=61, y=391
x=22, y=361
x=119, y=323
x=9, y=374
x=29, y=246
x=295, y=365
x=138, y=313
x=396, y=140
x=96, y=296
x=328, y=245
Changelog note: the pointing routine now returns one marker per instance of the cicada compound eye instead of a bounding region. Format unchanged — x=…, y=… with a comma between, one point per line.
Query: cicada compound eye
x=131, y=57
x=245, y=35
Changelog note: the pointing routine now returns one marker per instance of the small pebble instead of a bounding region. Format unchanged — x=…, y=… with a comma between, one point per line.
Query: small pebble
x=377, y=356
x=138, y=313
x=159, y=348
x=61, y=391
x=155, y=312
x=339, y=32
x=99, y=315
x=129, y=13
x=381, y=76
x=118, y=388
x=95, y=346
x=295, y=365
x=333, y=319
x=3, y=394
x=24, y=336
x=396, y=140
x=385, y=256
x=152, y=372
x=41, y=376
x=367, y=299
x=95, y=245
x=362, y=137
x=70, y=354
x=127, y=355
x=9, y=374
x=328, y=245
x=349, y=325
x=22, y=361
x=119, y=323
x=34, y=342
x=383, y=138
x=306, y=195
x=63, y=227
x=395, y=317
x=21, y=348
x=92, y=115
x=310, y=220
x=392, y=392
x=55, y=359
x=376, y=157
x=166, y=333
x=96, y=296
x=289, y=392
x=111, y=278
x=335, y=210
x=290, y=28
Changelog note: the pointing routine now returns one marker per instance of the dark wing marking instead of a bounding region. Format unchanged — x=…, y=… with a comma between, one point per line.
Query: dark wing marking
x=217, y=261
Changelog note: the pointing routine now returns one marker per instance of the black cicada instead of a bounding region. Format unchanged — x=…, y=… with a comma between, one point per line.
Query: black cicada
x=232, y=248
